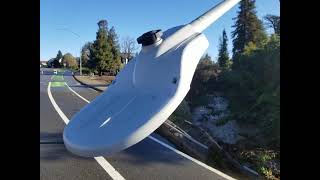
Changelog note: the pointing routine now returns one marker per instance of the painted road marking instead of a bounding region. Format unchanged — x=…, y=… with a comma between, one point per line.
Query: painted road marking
x=175, y=150
x=191, y=158
x=57, y=78
x=101, y=160
x=76, y=93
x=58, y=84
x=56, y=107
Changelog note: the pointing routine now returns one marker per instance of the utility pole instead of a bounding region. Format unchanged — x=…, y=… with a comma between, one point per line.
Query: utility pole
x=80, y=62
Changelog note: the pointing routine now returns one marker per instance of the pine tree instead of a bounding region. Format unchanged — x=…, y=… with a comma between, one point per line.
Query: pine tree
x=207, y=57
x=59, y=55
x=115, y=50
x=102, y=55
x=223, y=59
x=56, y=62
x=248, y=28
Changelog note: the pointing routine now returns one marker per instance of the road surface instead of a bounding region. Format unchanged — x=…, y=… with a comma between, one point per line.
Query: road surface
x=151, y=159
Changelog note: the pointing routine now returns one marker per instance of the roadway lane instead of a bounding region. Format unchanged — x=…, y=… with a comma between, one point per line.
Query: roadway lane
x=55, y=161
x=146, y=160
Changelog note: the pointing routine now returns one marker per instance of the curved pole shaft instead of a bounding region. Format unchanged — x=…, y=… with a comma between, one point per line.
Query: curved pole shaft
x=209, y=17
x=197, y=25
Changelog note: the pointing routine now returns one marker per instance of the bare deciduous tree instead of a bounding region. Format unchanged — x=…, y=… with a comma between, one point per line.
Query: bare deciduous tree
x=273, y=21
x=128, y=47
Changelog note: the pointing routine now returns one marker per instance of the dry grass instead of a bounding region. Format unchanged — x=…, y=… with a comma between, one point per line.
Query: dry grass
x=96, y=79
x=103, y=79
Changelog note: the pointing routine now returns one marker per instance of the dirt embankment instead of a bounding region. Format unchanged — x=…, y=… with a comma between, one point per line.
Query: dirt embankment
x=96, y=80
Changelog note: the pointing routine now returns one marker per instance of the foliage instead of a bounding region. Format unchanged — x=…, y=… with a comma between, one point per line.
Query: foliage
x=55, y=62
x=70, y=61
x=86, y=70
x=101, y=48
x=204, y=78
x=266, y=162
x=86, y=53
x=273, y=21
x=105, y=53
x=59, y=55
x=248, y=28
x=215, y=158
x=253, y=88
x=223, y=57
x=199, y=100
x=115, y=64
x=222, y=121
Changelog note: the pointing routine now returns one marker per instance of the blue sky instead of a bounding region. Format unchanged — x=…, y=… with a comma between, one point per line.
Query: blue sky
x=130, y=18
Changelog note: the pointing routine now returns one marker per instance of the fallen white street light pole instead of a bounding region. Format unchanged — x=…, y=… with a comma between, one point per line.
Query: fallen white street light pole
x=145, y=92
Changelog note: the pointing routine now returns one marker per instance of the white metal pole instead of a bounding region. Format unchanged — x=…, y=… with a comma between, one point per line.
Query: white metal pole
x=209, y=17
x=197, y=25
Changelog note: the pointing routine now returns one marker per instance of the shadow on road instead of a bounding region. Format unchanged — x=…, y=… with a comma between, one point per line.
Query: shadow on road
x=149, y=152
x=45, y=136
x=94, y=85
x=145, y=152
x=52, y=147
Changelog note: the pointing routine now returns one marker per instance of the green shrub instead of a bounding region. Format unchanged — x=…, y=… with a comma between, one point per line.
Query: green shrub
x=200, y=101
x=215, y=157
x=204, y=79
x=86, y=70
x=253, y=89
x=222, y=121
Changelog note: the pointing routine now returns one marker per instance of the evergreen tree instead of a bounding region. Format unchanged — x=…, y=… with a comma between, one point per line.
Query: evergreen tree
x=59, y=55
x=248, y=28
x=102, y=55
x=223, y=59
x=56, y=62
x=207, y=57
x=86, y=53
x=115, y=64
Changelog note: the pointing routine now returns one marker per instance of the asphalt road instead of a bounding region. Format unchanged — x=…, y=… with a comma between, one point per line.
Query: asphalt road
x=150, y=159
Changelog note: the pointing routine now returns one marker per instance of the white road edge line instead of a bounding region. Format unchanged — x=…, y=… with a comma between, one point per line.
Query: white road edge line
x=191, y=158
x=55, y=105
x=175, y=150
x=101, y=160
x=77, y=93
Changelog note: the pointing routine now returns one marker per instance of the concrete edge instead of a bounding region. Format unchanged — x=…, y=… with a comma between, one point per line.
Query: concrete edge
x=92, y=87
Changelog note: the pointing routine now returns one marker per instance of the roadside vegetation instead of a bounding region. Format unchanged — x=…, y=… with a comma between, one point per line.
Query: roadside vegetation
x=103, y=56
x=250, y=81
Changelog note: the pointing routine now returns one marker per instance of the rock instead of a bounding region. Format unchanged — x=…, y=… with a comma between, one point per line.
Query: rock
x=202, y=117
